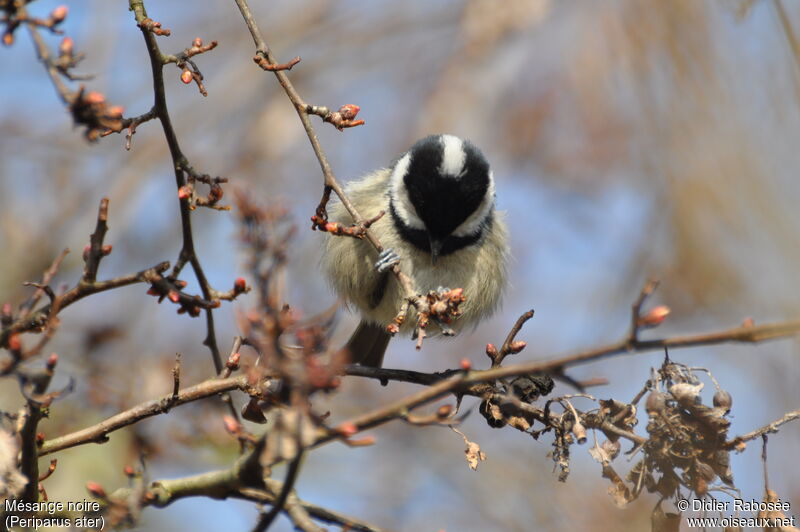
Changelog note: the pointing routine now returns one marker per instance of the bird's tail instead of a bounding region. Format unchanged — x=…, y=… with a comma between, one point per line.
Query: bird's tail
x=368, y=344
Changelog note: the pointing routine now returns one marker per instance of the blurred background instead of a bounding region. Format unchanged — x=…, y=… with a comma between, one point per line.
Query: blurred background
x=629, y=140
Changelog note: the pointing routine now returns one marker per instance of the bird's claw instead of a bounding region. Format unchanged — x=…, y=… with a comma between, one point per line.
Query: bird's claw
x=386, y=260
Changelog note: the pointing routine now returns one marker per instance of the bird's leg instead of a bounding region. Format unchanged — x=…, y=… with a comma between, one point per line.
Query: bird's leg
x=386, y=260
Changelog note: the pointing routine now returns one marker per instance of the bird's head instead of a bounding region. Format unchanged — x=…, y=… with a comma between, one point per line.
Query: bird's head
x=442, y=194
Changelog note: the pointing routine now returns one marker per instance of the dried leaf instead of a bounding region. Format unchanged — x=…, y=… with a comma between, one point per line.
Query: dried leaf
x=778, y=520
x=619, y=492
x=473, y=451
x=599, y=454
x=252, y=412
x=662, y=521
x=686, y=394
x=519, y=423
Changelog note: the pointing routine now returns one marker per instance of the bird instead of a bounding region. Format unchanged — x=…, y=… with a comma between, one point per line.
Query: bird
x=442, y=226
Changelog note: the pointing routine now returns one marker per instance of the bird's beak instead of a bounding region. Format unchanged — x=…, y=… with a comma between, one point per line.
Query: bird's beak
x=436, y=247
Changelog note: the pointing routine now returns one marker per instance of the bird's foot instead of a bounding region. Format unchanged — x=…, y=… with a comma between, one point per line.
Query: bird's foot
x=386, y=260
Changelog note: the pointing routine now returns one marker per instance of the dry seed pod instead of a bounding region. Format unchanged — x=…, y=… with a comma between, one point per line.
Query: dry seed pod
x=723, y=399
x=656, y=402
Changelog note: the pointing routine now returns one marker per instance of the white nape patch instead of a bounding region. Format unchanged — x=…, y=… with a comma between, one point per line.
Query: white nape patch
x=471, y=225
x=453, y=156
x=398, y=194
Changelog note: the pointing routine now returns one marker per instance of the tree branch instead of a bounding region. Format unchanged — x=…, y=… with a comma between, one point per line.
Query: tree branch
x=330, y=181
x=99, y=433
x=180, y=163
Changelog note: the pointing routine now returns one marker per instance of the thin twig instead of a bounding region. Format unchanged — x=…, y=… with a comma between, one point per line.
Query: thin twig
x=39, y=318
x=47, y=277
x=766, y=429
x=330, y=181
x=95, y=252
x=266, y=519
x=187, y=253
x=99, y=433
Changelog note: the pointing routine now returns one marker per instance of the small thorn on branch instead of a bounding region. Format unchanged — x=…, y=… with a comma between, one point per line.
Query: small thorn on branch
x=176, y=377
x=96, y=249
x=264, y=63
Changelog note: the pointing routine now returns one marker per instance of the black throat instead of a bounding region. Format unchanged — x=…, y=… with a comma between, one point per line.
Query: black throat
x=419, y=237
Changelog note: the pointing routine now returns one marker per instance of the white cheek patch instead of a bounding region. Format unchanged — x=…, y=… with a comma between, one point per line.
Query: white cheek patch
x=453, y=156
x=399, y=195
x=471, y=225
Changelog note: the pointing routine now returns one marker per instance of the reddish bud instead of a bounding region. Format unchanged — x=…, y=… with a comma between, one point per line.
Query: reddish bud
x=438, y=307
x=392, y=328
x=216, y=193
x=465, y=364
x=231, y=425
x=517, y=346
x=362, y=442
x=153, y=291
x=456, y=295
x=8, y=38
x=14, y=343
x=748, y=322
x=66, y=46
x=180, y=284
x=239, y=285
x=184, y=192
x=186, y=76
x=193, y=311
x=491, y=350
x=59, y=14
x=654, y=317
x=129, y=471
x=6, y=311
x=95, y=98
x=347, y=429
x=444, y=411
x=174, y=296
x=39, y=439
x=197, y=42
x=86, y=250
x=106, y=250
x=349, y=111
x=115, y=111
x=96, y=490
x=52, y=360
x=233, y=360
